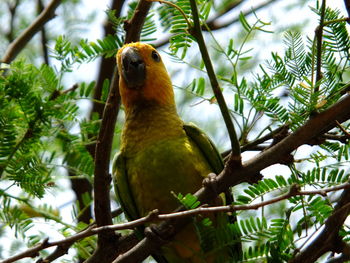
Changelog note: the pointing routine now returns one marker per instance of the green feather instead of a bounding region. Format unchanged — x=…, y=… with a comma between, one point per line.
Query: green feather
x=122, y=188
x=206, y=146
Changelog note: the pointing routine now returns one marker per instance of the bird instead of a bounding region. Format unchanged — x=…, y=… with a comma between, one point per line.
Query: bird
x=159, y=154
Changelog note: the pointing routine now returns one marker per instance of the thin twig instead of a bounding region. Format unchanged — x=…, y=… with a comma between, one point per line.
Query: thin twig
x=106, y=70
x=63, y=247
x=294, y=191
x=32, y=252
x=342, y=129
x=319, y=38
x=336, y=21
x=56, y=93
x=334, y=137
x=214, y=25
x=102, y=177
x=176, y=7
x=21, y=41
x=196, y=31
x=253, y=145
x=155, y=216
x=43, y=35
x=12, y=8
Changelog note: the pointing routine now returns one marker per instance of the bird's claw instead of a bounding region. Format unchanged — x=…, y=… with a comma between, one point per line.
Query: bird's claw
x=210, y=182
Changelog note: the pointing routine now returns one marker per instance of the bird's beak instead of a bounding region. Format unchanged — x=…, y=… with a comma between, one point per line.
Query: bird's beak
x=133, y=68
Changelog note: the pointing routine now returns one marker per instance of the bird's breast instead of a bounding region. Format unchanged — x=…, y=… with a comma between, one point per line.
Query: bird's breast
x=167, y=167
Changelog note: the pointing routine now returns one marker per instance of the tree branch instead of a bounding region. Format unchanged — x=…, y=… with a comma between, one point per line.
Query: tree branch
x=254, y=145
x=328, y=239
x=347, y=134
x=102, y=177
x=133, y=30
x=82, y=186
x=104, y=142
x=213, y=23
x=294, y=191
x=134, y=26
x=344, y=257
x=347, y=6
x=333, y=137
x=249, y=172
x=106, y=69
x=312, y=129
x=107, y=241
x=43, y=35
x=196, y=31
x=64, y=244
x=319, y=37
x=21, y=41
x=12, y=9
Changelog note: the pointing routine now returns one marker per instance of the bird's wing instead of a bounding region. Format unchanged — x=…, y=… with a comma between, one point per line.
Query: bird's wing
x=206, y=146
x=215, y=161
x=209, y=151
x=125, y=197
x=122, y=188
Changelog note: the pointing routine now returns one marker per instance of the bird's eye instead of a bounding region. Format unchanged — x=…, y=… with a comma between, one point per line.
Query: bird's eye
x=155, y=56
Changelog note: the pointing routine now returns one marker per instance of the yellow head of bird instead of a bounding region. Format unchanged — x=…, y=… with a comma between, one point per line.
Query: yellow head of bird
x=143, y=78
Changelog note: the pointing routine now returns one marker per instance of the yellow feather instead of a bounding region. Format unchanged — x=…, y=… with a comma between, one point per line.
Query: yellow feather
x=158, y=87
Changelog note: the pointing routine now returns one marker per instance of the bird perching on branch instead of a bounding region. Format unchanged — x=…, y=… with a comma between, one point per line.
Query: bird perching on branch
x=159, y=154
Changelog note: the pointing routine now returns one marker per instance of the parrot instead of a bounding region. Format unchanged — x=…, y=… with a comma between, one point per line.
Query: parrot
x=159, y=154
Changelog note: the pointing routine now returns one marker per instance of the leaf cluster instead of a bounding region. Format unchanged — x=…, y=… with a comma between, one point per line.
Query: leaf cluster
x=36, y=140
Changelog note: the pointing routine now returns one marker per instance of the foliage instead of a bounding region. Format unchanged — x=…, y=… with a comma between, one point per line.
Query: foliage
x=36, y=116
x=44, y=136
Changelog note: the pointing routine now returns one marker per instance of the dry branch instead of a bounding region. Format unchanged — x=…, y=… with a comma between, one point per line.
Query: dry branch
x=196, y=32
x=329, y=239
x=21, y=41
x=108, y=241
x=154, y=216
